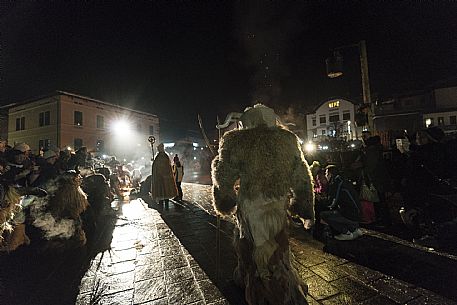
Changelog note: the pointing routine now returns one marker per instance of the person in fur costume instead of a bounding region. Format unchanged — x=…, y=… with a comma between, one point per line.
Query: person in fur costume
x=261, y=175
x=163, y=186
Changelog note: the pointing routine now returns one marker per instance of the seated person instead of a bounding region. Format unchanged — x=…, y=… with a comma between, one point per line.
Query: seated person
x=344, y=210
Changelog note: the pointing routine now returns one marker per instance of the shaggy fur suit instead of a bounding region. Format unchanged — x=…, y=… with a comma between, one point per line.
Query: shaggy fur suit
x=260, y=175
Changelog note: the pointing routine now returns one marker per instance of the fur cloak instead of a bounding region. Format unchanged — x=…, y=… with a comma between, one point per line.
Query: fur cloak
x=260, y=174
x=163, y=184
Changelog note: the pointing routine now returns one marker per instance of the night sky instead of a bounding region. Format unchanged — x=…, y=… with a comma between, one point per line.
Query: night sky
x=180, y=58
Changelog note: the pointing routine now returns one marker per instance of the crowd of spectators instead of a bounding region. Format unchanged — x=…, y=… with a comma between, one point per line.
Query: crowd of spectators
x=421, y=170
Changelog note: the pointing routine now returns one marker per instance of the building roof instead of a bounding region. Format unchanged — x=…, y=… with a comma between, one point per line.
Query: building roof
x=441, y=110
x=60, y=92
x=331, y=99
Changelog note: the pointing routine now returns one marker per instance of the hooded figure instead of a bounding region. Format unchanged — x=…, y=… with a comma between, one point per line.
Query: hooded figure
x=258, y=169
x=163, y=184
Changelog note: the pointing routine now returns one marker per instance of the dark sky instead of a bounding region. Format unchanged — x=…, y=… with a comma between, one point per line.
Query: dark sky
x=180, y=58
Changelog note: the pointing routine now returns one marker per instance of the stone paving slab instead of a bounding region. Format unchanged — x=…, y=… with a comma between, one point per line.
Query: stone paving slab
x=147, y=264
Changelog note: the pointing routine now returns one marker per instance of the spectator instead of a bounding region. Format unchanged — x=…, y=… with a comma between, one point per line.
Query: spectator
x=16, y=170
x=79, y=158
x=46, y=171
x=344, y=210
x=178, y=173
x=375, y=172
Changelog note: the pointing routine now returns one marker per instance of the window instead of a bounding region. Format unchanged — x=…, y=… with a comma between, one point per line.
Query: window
x=323, y=132
x=428, y=122
x=334, y=104
x=78, y=143
x=440, y=121
x=45, y=144
x=151, y=129
x=100, y=145
x=322, y=119
x=20, y=123
x=78, y=118
x=100, y=122
x=44, y=118
x=334, y=118
x=346, y=116
x=314, y=120
x=453, y=120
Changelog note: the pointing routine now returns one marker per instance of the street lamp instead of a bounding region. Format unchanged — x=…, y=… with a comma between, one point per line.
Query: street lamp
x=335, y=69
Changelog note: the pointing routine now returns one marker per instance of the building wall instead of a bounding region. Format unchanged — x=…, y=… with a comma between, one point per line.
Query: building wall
x=62, y=131
x=446, y=120
x=446, y=97
x=120, y=142
x=33, y=132
x=318, y=129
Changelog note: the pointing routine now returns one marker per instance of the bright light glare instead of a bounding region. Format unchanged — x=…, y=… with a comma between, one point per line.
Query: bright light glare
x=121, y=127
x=195, y=144
x=428, y=122
x=352, y=145
x=168, y=145
x=310, y=147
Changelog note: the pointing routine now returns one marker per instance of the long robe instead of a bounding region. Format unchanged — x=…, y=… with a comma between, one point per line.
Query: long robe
x=163, y=185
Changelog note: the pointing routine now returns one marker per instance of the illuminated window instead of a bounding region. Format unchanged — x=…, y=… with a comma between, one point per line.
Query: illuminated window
x=334, y=104
x=45, y=144
x=78, y=118
x=440, y=121
x=100, y=145
x=428, y=122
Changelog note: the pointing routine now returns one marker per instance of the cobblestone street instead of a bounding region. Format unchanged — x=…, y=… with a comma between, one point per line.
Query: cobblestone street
x=169, y=256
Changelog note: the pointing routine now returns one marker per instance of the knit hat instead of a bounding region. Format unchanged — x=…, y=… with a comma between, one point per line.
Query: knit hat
x=49, y=154
x=22, y=147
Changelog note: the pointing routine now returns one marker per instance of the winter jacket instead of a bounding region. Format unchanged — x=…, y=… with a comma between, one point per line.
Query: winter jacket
x=344, y=198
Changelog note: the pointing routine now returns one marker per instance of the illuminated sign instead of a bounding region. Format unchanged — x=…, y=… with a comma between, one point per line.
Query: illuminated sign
x=334, y=104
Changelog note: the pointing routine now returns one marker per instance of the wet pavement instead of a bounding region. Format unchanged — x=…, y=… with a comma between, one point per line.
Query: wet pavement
x=170, y=255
